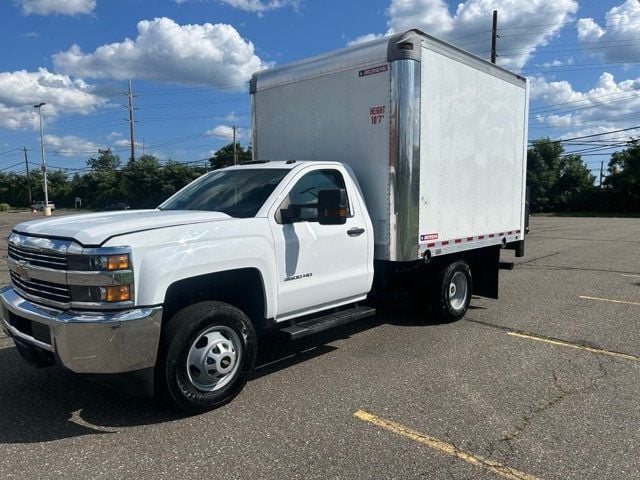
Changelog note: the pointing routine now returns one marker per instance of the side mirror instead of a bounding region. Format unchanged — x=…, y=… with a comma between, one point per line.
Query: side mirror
x=332, y=207
x=289, y=215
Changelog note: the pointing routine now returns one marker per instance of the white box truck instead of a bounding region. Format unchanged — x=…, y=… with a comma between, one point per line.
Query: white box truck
x=398, y=163
x=437, y=138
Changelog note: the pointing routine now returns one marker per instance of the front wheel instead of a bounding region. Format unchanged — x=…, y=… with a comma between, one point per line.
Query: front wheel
x=452, y=292
x=207, y=353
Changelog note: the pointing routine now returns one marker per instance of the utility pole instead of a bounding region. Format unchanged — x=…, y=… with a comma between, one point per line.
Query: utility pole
x=131, y=96
x=235, y=153
x=601, y=172
x=26, y=164
x=46, y=210
x=494, y=36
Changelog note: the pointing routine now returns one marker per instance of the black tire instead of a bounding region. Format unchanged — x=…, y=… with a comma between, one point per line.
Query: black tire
x=445, y=307
x=179, y=336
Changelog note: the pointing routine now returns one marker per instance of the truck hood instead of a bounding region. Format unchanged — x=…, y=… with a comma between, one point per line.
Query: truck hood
x=95, y=228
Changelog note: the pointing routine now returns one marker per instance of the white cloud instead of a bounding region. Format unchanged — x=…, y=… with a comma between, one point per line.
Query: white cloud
x=556, y=120
x=588, y=30
x=608, y=105
x=261, y=5
x=225, y=132
x=15, y=118
x=231, y=116
x=126, y=143
x=113, y=135
x=208, y=54
x=367, y=38
x=558, y=63
x=222, y=131
x=62, y=7
x=553, y=92
x=525, y=25
x=256, y=6
x=619, y=40
x=70, y=145
x=20, y=90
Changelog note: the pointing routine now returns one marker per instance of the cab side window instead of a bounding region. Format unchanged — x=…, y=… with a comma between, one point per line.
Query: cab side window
x=303, y=197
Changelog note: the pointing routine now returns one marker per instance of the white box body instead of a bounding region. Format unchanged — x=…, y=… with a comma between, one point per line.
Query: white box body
x=436, y=137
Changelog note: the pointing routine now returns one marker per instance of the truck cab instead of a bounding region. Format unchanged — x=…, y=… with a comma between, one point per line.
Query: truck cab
x=169, y=299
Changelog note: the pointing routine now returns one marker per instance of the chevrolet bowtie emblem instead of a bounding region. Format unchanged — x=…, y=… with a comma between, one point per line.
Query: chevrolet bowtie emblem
x=22, y=270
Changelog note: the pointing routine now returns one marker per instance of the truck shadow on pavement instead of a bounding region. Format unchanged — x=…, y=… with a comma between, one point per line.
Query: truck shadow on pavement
x=41, y=405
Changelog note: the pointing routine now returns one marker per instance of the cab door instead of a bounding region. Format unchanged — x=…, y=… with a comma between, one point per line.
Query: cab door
x=319, y=266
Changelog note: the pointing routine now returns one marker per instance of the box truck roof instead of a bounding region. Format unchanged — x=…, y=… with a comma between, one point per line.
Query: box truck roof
x=400, y=46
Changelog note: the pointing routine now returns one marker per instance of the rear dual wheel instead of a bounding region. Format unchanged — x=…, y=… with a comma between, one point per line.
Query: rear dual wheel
x=452, y=293
x=446, y=294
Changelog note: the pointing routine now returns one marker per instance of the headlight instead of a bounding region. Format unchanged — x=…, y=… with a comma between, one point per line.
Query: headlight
x=117, y=293
x=111, y=262
x=109, y=294
x=92, y=263
x=101, y=278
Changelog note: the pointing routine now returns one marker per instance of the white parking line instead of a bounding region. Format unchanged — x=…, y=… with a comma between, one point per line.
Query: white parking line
x=445, y=447
x=584, y=297
x=566, y=343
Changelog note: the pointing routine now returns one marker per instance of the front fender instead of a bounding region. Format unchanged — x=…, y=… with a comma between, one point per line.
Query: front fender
x=165, y=256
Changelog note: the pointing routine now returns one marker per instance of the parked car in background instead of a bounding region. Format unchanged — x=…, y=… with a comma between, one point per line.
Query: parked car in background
x=116, y=206
x=39, y=205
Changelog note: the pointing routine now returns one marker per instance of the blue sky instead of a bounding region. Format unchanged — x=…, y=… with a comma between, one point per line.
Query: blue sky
x=190, y=60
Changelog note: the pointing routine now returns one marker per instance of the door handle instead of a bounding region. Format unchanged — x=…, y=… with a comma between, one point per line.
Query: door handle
x=354, y=232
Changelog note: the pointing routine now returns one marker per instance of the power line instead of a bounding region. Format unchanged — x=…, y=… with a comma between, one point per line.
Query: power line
x=579, y=100
x=610, y=117
x=594, y=135
x=10, y=167
x=565, y=111
x=9, y=151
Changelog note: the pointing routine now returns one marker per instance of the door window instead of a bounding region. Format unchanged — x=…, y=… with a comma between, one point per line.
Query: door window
x=304, y=194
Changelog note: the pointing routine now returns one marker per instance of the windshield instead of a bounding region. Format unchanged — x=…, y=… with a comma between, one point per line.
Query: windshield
x=238, y=193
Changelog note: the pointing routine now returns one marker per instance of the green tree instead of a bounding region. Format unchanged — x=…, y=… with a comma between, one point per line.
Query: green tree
x=557, y=181
x=575, y=188
x=140, y=184
x=101, y=186
x=623, y=181
x=175, y=175
x=13, y=189
x=544, y=164
x=106, y=161
x=224, y=156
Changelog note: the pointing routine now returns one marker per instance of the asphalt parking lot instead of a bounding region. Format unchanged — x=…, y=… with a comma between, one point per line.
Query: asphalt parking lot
x=542, y=383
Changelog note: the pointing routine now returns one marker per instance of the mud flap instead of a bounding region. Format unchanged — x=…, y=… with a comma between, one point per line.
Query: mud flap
x=485, y=269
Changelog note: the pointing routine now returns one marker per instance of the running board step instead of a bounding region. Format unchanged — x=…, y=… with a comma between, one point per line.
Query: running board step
x=319, y=324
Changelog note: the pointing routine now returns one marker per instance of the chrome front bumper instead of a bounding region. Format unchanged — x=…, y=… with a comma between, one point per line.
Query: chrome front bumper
x=104, y=342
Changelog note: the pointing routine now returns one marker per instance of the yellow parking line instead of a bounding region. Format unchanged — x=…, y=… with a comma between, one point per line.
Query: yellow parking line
x=608, y=300
x=445, y=447
x=565, y=343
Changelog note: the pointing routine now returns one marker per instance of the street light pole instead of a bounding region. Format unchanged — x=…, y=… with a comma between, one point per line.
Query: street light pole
x=46, y=210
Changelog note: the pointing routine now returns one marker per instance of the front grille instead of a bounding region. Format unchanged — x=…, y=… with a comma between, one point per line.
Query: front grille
x=38, y=258
x=39, y=331
x=39, y=288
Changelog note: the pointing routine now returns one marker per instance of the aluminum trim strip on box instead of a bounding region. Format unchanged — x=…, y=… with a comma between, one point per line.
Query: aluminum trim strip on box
x=404, y=168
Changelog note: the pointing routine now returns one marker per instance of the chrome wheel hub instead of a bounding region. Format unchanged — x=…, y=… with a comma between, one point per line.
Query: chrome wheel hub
x=458, y=291
x=214, y=358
